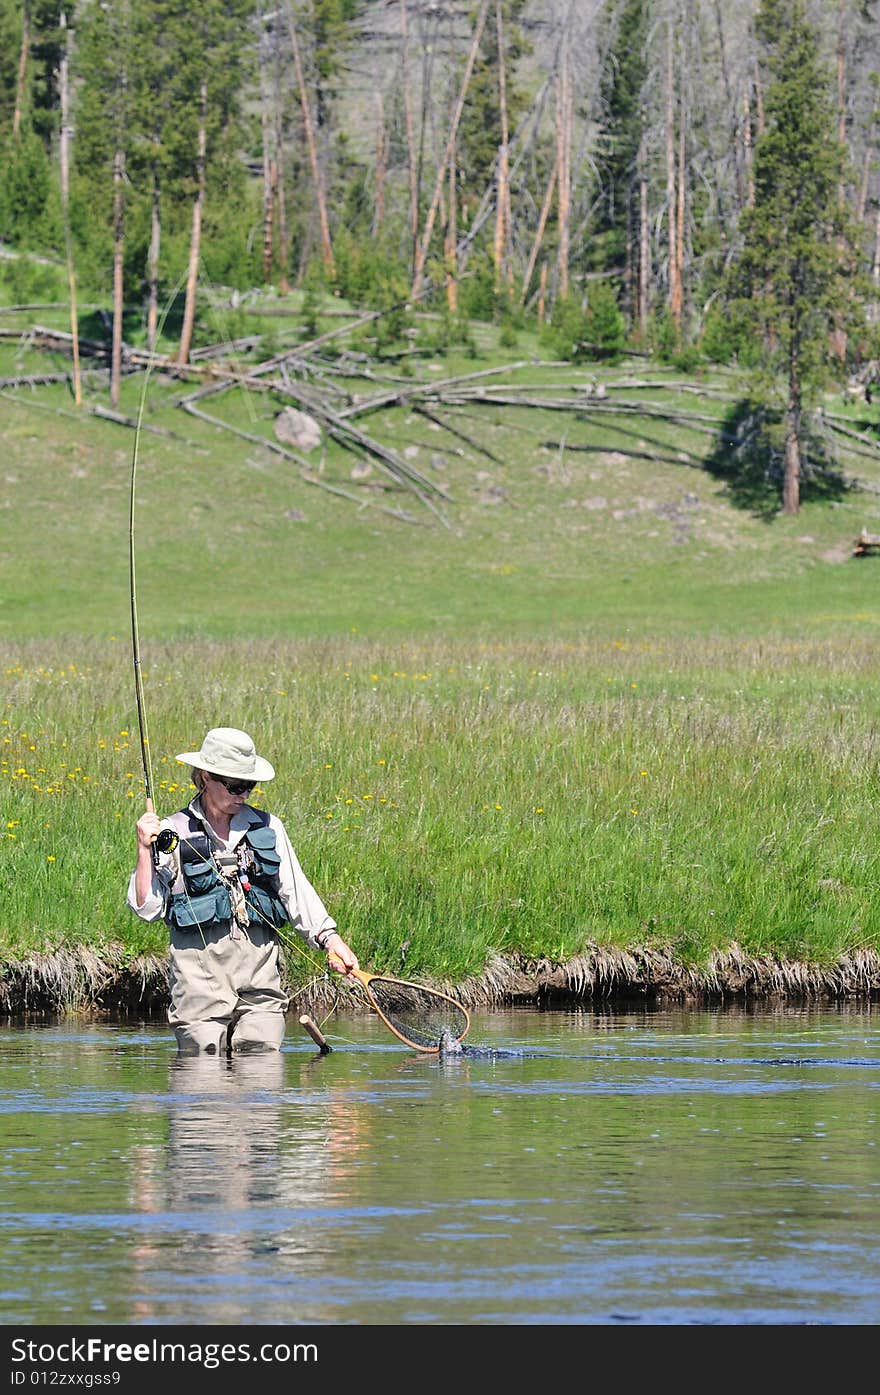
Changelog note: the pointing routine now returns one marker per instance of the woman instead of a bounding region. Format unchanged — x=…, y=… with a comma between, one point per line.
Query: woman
x=226, y=879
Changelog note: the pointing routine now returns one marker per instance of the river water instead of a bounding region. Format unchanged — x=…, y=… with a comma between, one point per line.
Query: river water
x=576, y=1167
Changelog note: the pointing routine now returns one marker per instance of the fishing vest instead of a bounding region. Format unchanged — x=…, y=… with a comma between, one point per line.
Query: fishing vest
x=205, y=903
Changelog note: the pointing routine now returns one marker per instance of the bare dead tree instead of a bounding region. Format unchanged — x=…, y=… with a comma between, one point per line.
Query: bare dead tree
x=867, y=165
x=411, y=160
x=267, y=132
x=539, y=234
x=730, y=103
x=673, y=300
x=268, y=201
x=425, y=240
x=64, y=162
x=195, y=239
x=153, y=257
x=381, y=165
x=503, y=269
x=118, y=243
x=644, y=252
x=283, y=240
x=451, y=239
x=308, y=126
x=21, y=80
x=563, y=162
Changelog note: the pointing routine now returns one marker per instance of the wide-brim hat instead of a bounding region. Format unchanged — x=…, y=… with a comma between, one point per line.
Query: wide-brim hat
x=227, y=751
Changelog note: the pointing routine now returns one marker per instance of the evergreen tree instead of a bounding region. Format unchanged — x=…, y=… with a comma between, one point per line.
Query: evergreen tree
x=28, y=213
x=10, y=39
x=794, y=278
x=479, y=131
x=213, y=58
x=616, y=228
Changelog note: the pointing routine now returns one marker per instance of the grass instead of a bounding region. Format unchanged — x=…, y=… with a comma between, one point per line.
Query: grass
x=601, y=705
x=452, y=804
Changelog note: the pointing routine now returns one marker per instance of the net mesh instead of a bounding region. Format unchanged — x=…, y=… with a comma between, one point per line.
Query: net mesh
x=418, y=1014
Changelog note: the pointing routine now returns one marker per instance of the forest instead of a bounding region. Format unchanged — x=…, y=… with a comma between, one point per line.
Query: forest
x=684, y=179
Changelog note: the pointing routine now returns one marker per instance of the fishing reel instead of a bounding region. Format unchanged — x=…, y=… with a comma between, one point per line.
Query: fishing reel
x=166, y=840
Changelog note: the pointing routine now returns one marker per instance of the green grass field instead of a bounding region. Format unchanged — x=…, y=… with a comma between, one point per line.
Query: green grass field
x=585, y=698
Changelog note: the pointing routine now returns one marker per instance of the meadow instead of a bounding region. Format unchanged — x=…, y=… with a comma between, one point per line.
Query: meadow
x=582, y=699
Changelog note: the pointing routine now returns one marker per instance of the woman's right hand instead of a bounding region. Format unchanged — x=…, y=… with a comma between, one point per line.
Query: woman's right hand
x=147, y=829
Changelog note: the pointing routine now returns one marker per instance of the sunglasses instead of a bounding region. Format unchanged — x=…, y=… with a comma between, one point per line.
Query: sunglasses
x=234, y=786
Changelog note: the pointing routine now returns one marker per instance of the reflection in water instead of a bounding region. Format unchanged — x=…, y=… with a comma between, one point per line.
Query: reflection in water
x=591, y=1166
x=248, y=1162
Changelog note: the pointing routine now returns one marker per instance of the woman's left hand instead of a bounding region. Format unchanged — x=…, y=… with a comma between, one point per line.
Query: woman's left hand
x=340, y=958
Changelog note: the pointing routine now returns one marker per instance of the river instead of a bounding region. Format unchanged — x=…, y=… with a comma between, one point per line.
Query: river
x=628, y=1166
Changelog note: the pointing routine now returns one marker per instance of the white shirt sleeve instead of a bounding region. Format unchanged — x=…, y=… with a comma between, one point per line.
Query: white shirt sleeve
x=153, y=907
x=307, y=912
x=156, y=902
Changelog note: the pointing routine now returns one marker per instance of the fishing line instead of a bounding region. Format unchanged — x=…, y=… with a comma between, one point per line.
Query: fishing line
x=132, y=571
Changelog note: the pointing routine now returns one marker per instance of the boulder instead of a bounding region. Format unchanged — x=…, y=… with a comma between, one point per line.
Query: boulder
x=295, y=428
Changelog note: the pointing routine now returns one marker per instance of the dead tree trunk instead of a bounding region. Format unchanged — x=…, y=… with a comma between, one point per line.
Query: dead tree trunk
x=411, y=160
x=502, y=206
x=451, y=246
x=865, y=181
x=841, y=76
x=673, y=303
x=539, y=235
x=563, y=159
x=118, y=246
x=748, y=159
x=195, y=241
x=680, y=204
x=64, y=163
x=23, y=54
x=425, y=240
x=759, y=103
x=267, y=132
x=839, y=337
x=644, y=257
x=320, y=200
x=792, y=465
x=268, y=196
x=153, y=260
x=730, y=106
x=281, y=207
x=381, y=166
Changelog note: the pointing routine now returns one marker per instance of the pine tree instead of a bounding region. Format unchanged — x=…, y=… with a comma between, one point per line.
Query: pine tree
x=794, y=279
x=616, y=232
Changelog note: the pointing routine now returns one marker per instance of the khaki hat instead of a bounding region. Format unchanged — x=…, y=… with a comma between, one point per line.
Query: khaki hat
x=227, y=751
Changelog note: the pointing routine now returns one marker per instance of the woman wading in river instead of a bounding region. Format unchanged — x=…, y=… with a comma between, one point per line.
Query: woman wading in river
x=225, y=878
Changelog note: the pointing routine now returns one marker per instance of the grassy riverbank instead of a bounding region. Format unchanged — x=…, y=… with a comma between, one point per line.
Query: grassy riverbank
x=455, y=802
x=588, y=703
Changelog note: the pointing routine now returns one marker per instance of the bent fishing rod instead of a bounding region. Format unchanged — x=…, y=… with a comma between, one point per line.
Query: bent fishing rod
x=167, y=840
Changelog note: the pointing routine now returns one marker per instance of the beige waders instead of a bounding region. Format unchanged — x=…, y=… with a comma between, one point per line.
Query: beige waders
x=226, y=991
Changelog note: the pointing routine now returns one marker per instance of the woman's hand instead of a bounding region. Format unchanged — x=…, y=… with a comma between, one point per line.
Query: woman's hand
x=339, y=957
x=147, y=829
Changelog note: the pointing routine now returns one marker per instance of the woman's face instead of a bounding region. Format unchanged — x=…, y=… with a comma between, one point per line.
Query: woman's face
x=219, y=799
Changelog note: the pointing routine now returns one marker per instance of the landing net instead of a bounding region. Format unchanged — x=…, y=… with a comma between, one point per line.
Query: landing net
x=418, y=1015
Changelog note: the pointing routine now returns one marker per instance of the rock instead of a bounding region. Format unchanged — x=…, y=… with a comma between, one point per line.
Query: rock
x=297, y=429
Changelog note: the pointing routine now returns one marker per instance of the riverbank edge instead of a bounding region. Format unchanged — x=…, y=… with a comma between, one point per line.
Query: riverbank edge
x=81, y=980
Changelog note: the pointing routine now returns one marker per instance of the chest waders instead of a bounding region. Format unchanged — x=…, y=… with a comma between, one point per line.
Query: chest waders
x=250, y=877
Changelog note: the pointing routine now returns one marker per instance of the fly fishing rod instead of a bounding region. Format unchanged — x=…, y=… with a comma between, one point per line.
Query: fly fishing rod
x=135, y=640
x=167, y=840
